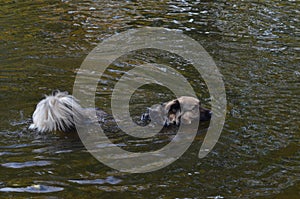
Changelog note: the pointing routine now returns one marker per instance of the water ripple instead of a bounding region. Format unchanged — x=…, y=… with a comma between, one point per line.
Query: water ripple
x=110, y=180
x=18, y=165
x=32, y=189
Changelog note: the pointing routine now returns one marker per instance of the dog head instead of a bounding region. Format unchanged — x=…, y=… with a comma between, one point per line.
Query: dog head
x=192, y=110
x=183, y=110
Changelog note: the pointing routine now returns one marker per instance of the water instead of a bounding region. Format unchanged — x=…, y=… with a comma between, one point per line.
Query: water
x=256, y=48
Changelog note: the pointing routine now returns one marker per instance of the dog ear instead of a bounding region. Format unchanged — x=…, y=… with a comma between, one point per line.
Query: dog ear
x=174, y=107
x=54, y=92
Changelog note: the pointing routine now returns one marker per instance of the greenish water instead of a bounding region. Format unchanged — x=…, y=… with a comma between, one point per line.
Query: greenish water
x=255, y=46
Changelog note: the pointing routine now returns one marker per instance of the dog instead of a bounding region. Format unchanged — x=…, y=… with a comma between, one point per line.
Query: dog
x=62, y=111
x=183, y=110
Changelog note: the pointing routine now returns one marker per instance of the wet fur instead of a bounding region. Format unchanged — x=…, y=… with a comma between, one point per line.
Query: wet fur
x=57, y=112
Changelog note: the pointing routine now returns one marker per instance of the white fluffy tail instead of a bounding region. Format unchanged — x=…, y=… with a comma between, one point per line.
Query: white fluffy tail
x=57, y=112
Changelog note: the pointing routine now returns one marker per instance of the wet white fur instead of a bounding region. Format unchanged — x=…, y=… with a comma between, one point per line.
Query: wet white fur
x=57, y=112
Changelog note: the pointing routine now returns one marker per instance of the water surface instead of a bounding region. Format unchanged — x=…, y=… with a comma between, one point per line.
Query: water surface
x=255, y=46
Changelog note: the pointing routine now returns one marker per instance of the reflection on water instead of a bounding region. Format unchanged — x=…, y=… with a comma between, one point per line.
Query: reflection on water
x=255, y=47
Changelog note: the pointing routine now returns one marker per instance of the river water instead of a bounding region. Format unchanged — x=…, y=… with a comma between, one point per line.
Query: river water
x=255, y=46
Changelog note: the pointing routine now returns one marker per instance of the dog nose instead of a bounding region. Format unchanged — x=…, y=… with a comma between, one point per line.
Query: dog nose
x=166, y=123
x=210, y=113
x=145, y=117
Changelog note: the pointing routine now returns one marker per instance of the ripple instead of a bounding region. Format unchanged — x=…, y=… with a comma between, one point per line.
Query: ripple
x=15, y=146
x=18, y=165
x=32, y=189
x=110, y=180
x=3, y=153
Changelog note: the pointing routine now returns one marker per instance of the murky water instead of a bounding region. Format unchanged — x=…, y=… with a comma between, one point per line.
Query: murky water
x=256, y=48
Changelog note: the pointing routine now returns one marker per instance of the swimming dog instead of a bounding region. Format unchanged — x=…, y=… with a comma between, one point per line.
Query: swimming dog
x=62, y=111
